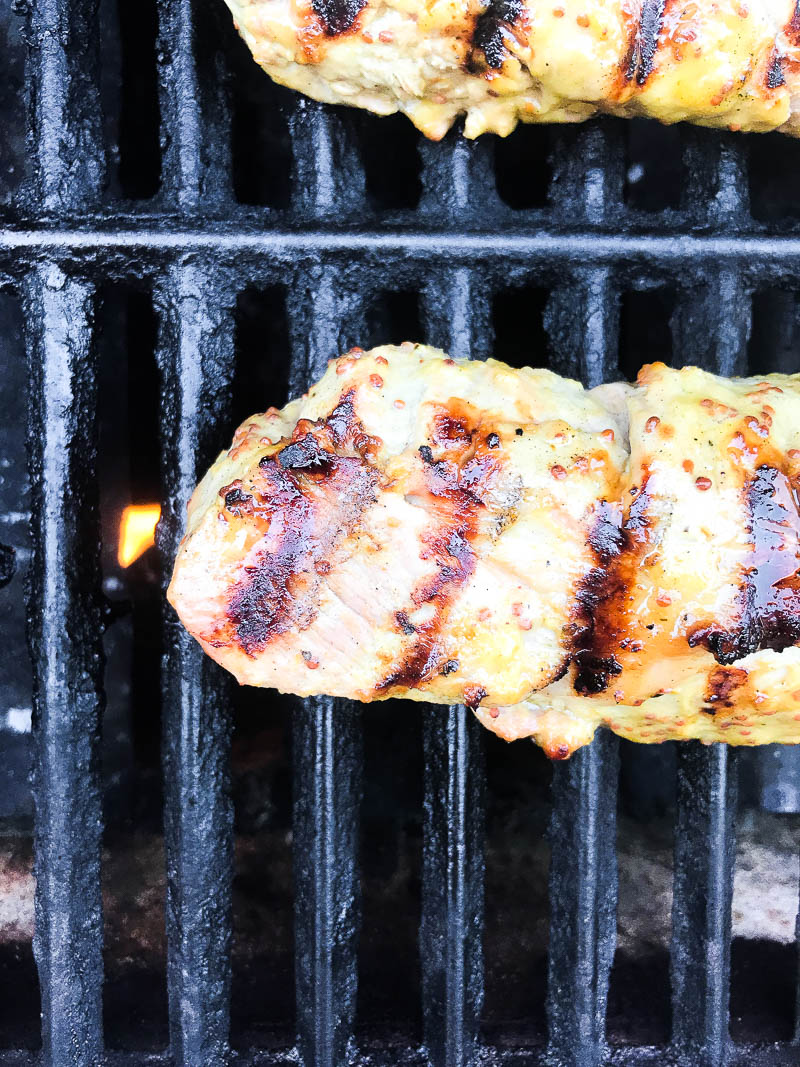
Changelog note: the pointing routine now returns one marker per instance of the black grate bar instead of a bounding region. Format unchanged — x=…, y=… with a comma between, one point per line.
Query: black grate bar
x=451, y=930
x=762, y=1055
x=327, y=793
x=701, y=913
x=704, y=831
x=194, y=117
x=588, y=168
x=65, y=634
x=583, y=901
x=456, y=306
x=458, y=181
x=327, y=176
x=712, y=320
x=326, y=733
x=195, y=346
x=66, y=119
x=457, y=314
x=764, y=258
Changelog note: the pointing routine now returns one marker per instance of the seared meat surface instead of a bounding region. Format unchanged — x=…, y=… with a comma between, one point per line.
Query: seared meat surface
x=692, y=618
x=413, y=527
x=553, y=557
x=723, y=63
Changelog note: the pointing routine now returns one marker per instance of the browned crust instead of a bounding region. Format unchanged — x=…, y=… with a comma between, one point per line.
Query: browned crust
x=487, y=47
x=324, y=466
x=338, y=16
x=455, y=465
x=776, y=76
x=599, y=632
x=769, y=596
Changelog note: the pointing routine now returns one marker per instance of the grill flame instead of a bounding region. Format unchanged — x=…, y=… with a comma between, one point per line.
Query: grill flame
x=137, y=531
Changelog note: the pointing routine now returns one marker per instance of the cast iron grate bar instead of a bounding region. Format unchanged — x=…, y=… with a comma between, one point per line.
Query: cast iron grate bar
x=703, y=887
x=194, y=120
x=64, y=100
x=451, y=929
x=64, y=599
x=582, y=318
x=195, y=346
x=706, y=797
x=456, y=316
x=196, y=365
x=65, y=637
x=326, y=732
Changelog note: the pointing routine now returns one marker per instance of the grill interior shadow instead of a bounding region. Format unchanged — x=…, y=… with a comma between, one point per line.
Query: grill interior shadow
x=522, y=166
x=389, y=150
x=262, y=1001
x=774, y=343
x=518, y=777
x=389, y=1006
x=774, y=162
x=645, y=334
x=261, y=379
x=135, y=1010
x=391, y=318
x=130, y=97
x=261, y=147
x=639, y=994
x=655, y=174
x=518, y=321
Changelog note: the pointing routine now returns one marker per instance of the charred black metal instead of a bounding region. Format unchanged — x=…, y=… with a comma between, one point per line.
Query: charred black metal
x=8, y=564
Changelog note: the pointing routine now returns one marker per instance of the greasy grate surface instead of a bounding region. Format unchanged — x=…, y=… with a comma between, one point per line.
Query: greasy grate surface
x=574, y=249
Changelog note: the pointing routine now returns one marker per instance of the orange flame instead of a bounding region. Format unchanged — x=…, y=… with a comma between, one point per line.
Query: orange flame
x=137, y=531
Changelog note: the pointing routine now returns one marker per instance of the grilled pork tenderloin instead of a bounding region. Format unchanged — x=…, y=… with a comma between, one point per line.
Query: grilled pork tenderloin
x=556, y=558
x=723, y=63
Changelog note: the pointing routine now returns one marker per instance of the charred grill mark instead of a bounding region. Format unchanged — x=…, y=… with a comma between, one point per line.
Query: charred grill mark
x=301, y=484
x=473, y=695
x=649, y=30
x=769, y=596
x=338, y=16
x=307, y=453
x=237, y=502
x=451, y=431
x=598, y=629
x=456, y=562
x=721, y=685
x=645, y=36
x=260, y=607
x=454, y=483
x=489, y=35
x=775, y=77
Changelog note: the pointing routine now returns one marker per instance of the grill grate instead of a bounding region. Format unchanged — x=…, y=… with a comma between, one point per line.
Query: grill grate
x=199, y=250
